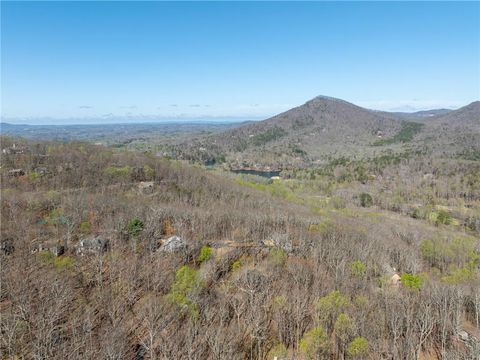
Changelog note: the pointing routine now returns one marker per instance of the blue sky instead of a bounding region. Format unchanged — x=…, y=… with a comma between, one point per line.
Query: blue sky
x=161, y=60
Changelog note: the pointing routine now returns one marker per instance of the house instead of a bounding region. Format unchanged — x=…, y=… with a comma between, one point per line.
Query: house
x=146, y=187
x=14, y=149
x=395, y=280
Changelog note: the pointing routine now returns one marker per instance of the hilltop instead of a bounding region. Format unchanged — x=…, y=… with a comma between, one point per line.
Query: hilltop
x=327, y=128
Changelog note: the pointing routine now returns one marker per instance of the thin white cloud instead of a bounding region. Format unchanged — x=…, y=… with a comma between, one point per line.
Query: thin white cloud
x=411, y=105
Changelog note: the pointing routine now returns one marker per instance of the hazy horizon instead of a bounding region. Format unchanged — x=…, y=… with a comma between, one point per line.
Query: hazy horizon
x=153, y=119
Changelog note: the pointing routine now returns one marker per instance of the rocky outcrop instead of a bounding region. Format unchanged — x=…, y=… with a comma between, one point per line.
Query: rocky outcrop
x=91, y=245
x=173, y=244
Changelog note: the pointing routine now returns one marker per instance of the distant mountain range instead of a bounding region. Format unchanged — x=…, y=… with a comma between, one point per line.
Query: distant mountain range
x=418, y=115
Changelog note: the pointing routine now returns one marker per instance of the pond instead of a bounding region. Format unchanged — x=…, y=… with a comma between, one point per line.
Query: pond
x=265, y=174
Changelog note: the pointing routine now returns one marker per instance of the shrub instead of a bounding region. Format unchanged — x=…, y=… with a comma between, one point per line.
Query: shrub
x=60, y=263
x=33, y=176
x=358, y=268
x=85, y=227
x=53, y=196
x=411, y=281
x=236, y=265
x=135, y=227
x=322, y=228
x=443, y=217
x=314, y=343
x=205, y=254
x=358, y=347
x=118, y=171
x=415, y=214
x=337, y=202
x=343, y=326
x=187, y=283
x=186, y=279
x=56, y=217
x=442, y=253
x=46, y=256
x=149, y=172
x=63, y=263
x=464, y=274
x=366, y=200
x=279, y=351
x=277, y=256
x=332, y=302
x=329, y=306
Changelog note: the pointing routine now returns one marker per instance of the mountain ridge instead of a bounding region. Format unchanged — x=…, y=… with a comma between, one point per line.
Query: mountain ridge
x=325, y=127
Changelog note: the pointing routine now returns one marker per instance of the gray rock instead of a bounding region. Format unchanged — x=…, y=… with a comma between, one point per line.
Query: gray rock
x=41, y=171
x=57, y=250
x=54, y=248
x=279, y=240
x=173, y=244
x=463, y=335
x=91, y=245
x=7, y=246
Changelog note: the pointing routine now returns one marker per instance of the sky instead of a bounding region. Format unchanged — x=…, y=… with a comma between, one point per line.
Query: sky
x=75, y=62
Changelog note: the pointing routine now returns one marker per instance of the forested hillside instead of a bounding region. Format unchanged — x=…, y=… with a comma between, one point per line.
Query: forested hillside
x=326, y=128
x=113, y=254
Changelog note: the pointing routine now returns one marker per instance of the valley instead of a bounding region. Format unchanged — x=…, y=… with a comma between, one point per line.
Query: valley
x=307, y=233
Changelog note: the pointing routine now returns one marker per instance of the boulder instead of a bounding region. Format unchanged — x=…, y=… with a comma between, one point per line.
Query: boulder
x=279, y=240
x=7, y=247
x=54, y=248
x=41, y=171
x=57, y=250
x=173, y=244
x=463, y=335
x=91, y=245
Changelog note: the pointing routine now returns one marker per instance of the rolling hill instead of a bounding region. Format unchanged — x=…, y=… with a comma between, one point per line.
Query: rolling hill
x=326, y=128
x=456, y=133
